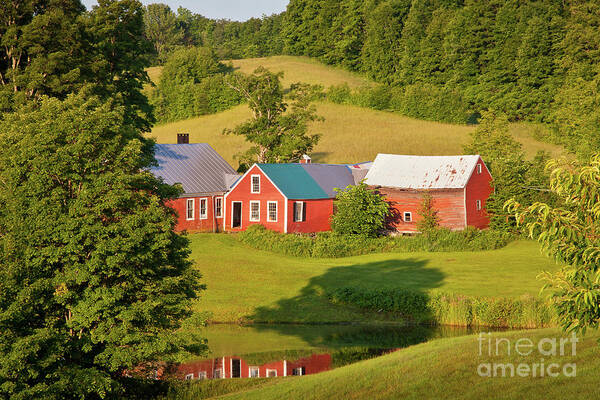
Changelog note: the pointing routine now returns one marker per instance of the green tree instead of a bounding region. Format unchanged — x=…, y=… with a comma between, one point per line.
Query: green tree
x=277, y=134
x=162, y=28
x=570, y=234
x=359, y=211
x=94, y=281
x=429, y=215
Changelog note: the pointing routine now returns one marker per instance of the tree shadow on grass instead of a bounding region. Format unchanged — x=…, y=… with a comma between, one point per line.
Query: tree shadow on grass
x=312, y=303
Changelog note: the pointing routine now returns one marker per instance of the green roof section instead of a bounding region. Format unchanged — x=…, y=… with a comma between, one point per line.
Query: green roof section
x=294, y=181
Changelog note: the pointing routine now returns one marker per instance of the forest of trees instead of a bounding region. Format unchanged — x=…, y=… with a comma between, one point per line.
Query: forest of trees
x=534, y=60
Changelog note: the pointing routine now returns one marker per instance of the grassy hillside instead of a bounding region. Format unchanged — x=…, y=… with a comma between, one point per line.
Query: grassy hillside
x=236, y=278
x=349, y=134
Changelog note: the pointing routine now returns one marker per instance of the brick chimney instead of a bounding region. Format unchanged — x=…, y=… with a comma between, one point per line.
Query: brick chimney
x=183, y=138
x=305, y=159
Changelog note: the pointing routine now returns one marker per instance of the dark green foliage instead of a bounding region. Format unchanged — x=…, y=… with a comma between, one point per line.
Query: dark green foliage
x=277, y=131
x=162, y=29
x=359, y=211
x=193, y=83
x=332, y=245
x=450, y=309
x=93, y=280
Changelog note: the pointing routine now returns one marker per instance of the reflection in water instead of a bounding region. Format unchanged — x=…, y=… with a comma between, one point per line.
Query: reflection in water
x=260, y=351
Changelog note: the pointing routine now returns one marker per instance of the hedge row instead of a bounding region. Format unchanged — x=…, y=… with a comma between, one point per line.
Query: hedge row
x=331, y=245
x=450, y=309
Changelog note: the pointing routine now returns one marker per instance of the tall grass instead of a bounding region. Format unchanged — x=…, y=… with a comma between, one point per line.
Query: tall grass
x=450, y=309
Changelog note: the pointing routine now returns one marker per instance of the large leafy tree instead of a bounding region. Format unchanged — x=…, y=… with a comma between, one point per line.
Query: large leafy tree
x=570, y=234
x=94, y=281
x=359, y=211
x=162, y=27
x=278, y=131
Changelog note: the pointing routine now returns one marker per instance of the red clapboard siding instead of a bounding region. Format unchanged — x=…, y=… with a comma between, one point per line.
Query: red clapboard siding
x=208, y=224
x=448, y=202
x=242, y=193
x=478, y=188
x=318, y=216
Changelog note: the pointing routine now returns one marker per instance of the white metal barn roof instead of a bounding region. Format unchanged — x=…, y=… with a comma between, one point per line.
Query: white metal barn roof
x=421, y=172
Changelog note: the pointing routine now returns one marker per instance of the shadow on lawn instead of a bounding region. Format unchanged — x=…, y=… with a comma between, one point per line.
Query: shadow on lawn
x=311, y=304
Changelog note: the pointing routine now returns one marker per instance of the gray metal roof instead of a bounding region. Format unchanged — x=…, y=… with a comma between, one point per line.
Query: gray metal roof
x=330, y=176
x=421, y=172
x=197, y=167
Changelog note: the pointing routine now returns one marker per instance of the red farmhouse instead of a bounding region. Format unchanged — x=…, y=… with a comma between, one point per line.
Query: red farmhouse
x=205, y=177
x=287, y=197
x=459, y=185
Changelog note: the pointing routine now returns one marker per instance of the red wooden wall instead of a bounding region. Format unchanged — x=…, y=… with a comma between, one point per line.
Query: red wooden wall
x=318, y=216
x=448, y=202
x=478, y=188
x=209, y=224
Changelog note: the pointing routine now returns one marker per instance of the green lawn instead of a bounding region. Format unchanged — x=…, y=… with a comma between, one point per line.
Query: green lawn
x=244, y=284
x=439, y=369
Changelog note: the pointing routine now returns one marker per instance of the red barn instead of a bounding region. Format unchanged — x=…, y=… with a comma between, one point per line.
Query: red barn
x=459, y=186
x=205, y=177
x=287, y=197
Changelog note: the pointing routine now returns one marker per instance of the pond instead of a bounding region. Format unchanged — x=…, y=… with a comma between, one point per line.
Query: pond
x=284, y=350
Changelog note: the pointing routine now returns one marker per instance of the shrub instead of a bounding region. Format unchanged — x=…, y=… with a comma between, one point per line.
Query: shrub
x=450, y=309
x=332, y=245
x=360, y=211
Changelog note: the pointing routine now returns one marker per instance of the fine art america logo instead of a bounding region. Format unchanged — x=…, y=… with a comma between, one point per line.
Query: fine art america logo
x=548, y=357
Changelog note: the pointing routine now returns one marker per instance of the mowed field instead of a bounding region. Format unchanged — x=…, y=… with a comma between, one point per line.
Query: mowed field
x=439, y=369
x=349, y=134
x=244, y=284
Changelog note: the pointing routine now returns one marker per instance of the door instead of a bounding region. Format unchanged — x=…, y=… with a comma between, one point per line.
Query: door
x=236, y=217
x=236, y=368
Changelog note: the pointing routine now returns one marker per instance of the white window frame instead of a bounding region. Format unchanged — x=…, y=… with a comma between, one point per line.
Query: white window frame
x=269, y=370
x=250, y=372
x=478, y=205
x=250, y=216
x=479, y=168
x=269, y=211
x=189, y=377
x=296, y=369
x=410, y=219
x=301, y=211
x=200, y=215
x=217, y=201
x=202, y=375
x=218, y=373
x=187, y=208
x=252, y=183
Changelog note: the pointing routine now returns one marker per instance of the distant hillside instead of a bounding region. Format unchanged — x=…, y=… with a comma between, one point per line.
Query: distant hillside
x=349, y=134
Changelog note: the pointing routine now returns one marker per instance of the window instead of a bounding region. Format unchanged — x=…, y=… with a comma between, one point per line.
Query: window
x=254, y=372
x=255, y=184
x=217, y=373
x=189, y=377
x=219, y=207
x=272, y=211
x=271, y=373
x=478, y=204
x=407, y=217
x=201, y=374
x=478, y=168
x=189, y=209
x=299, y=371
x=255, y=211
x=299, y=211
x=203, y=208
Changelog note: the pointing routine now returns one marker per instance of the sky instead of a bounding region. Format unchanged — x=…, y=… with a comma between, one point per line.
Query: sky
x=237, y=10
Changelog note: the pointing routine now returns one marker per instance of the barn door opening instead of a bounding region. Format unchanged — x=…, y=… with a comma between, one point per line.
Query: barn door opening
x=236, y=217
x=236, y=368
